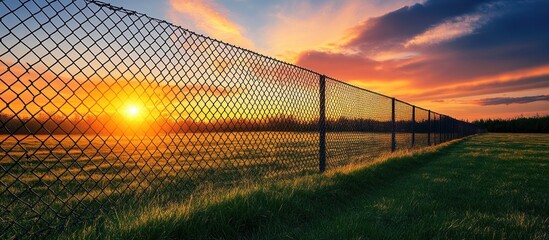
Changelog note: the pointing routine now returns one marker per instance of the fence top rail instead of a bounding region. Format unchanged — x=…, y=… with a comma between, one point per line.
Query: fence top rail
x=357, y=87
x=421, y=108
x=403, y=102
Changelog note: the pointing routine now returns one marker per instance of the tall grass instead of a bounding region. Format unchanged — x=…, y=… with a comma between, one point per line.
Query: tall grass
x=55, y=181
x=489, y=186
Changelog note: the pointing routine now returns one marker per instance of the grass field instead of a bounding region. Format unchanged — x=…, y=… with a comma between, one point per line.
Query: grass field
x=54, y=181
x=492, y=186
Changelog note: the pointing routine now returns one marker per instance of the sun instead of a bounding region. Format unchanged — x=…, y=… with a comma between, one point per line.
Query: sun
x=133, y=111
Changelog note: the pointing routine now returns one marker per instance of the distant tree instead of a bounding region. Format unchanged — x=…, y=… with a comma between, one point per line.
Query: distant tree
x=104, y=124
x=536, y=124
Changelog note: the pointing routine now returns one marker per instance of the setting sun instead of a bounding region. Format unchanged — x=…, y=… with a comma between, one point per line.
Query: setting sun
x=133, y=111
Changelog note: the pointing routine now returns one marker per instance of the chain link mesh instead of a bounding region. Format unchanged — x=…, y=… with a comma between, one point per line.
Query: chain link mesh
x=101, y=106
x=404, y=125
x=355, y=134
x=421, y=128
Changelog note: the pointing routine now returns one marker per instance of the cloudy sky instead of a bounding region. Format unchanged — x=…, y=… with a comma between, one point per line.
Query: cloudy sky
x=466, y=58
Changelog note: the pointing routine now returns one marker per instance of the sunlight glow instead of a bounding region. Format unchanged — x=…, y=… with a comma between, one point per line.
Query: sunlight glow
x=133, y=111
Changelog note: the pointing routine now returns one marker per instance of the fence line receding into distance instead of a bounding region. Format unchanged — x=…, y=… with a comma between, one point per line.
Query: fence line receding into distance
x=102, y=106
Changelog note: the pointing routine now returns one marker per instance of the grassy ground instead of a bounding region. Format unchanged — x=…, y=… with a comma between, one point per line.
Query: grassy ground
x=52, y=181
x=492, y=186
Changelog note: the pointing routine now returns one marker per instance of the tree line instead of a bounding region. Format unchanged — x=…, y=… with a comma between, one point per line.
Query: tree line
x=109, y=125
x=535, y=124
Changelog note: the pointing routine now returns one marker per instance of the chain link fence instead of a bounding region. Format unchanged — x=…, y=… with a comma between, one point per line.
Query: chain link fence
x=101, y=106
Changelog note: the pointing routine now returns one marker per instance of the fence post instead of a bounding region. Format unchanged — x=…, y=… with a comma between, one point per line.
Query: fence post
x=445, y=129
x=450, y=128
x=440, y=129
x=393, y=139
x=413, y=125
x=322, y=125
x=429, y=130
x=454, y=129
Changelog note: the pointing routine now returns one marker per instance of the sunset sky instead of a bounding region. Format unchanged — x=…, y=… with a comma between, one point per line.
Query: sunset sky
x=468, y=59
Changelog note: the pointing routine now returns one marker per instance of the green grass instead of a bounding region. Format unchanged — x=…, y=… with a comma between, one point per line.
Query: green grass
x=57, y=181
x=492, y=186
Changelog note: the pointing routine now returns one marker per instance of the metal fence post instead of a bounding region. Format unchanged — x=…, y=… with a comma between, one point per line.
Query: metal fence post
x=393, y=139
x=440, y=128
x=452, y=135
x=429, y=130
x=322, y=125
x=413, y=125
x=450, y=128
x=445, y=129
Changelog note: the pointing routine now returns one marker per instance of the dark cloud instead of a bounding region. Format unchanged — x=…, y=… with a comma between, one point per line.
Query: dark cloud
x=515, y=36
x=511, y=100
x=402, y=24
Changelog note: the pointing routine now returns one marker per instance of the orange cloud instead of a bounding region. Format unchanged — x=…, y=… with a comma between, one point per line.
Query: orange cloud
x=462, y=100
x=302, y=25
x=520, y=80
x=456, y=98
x=210, y=19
